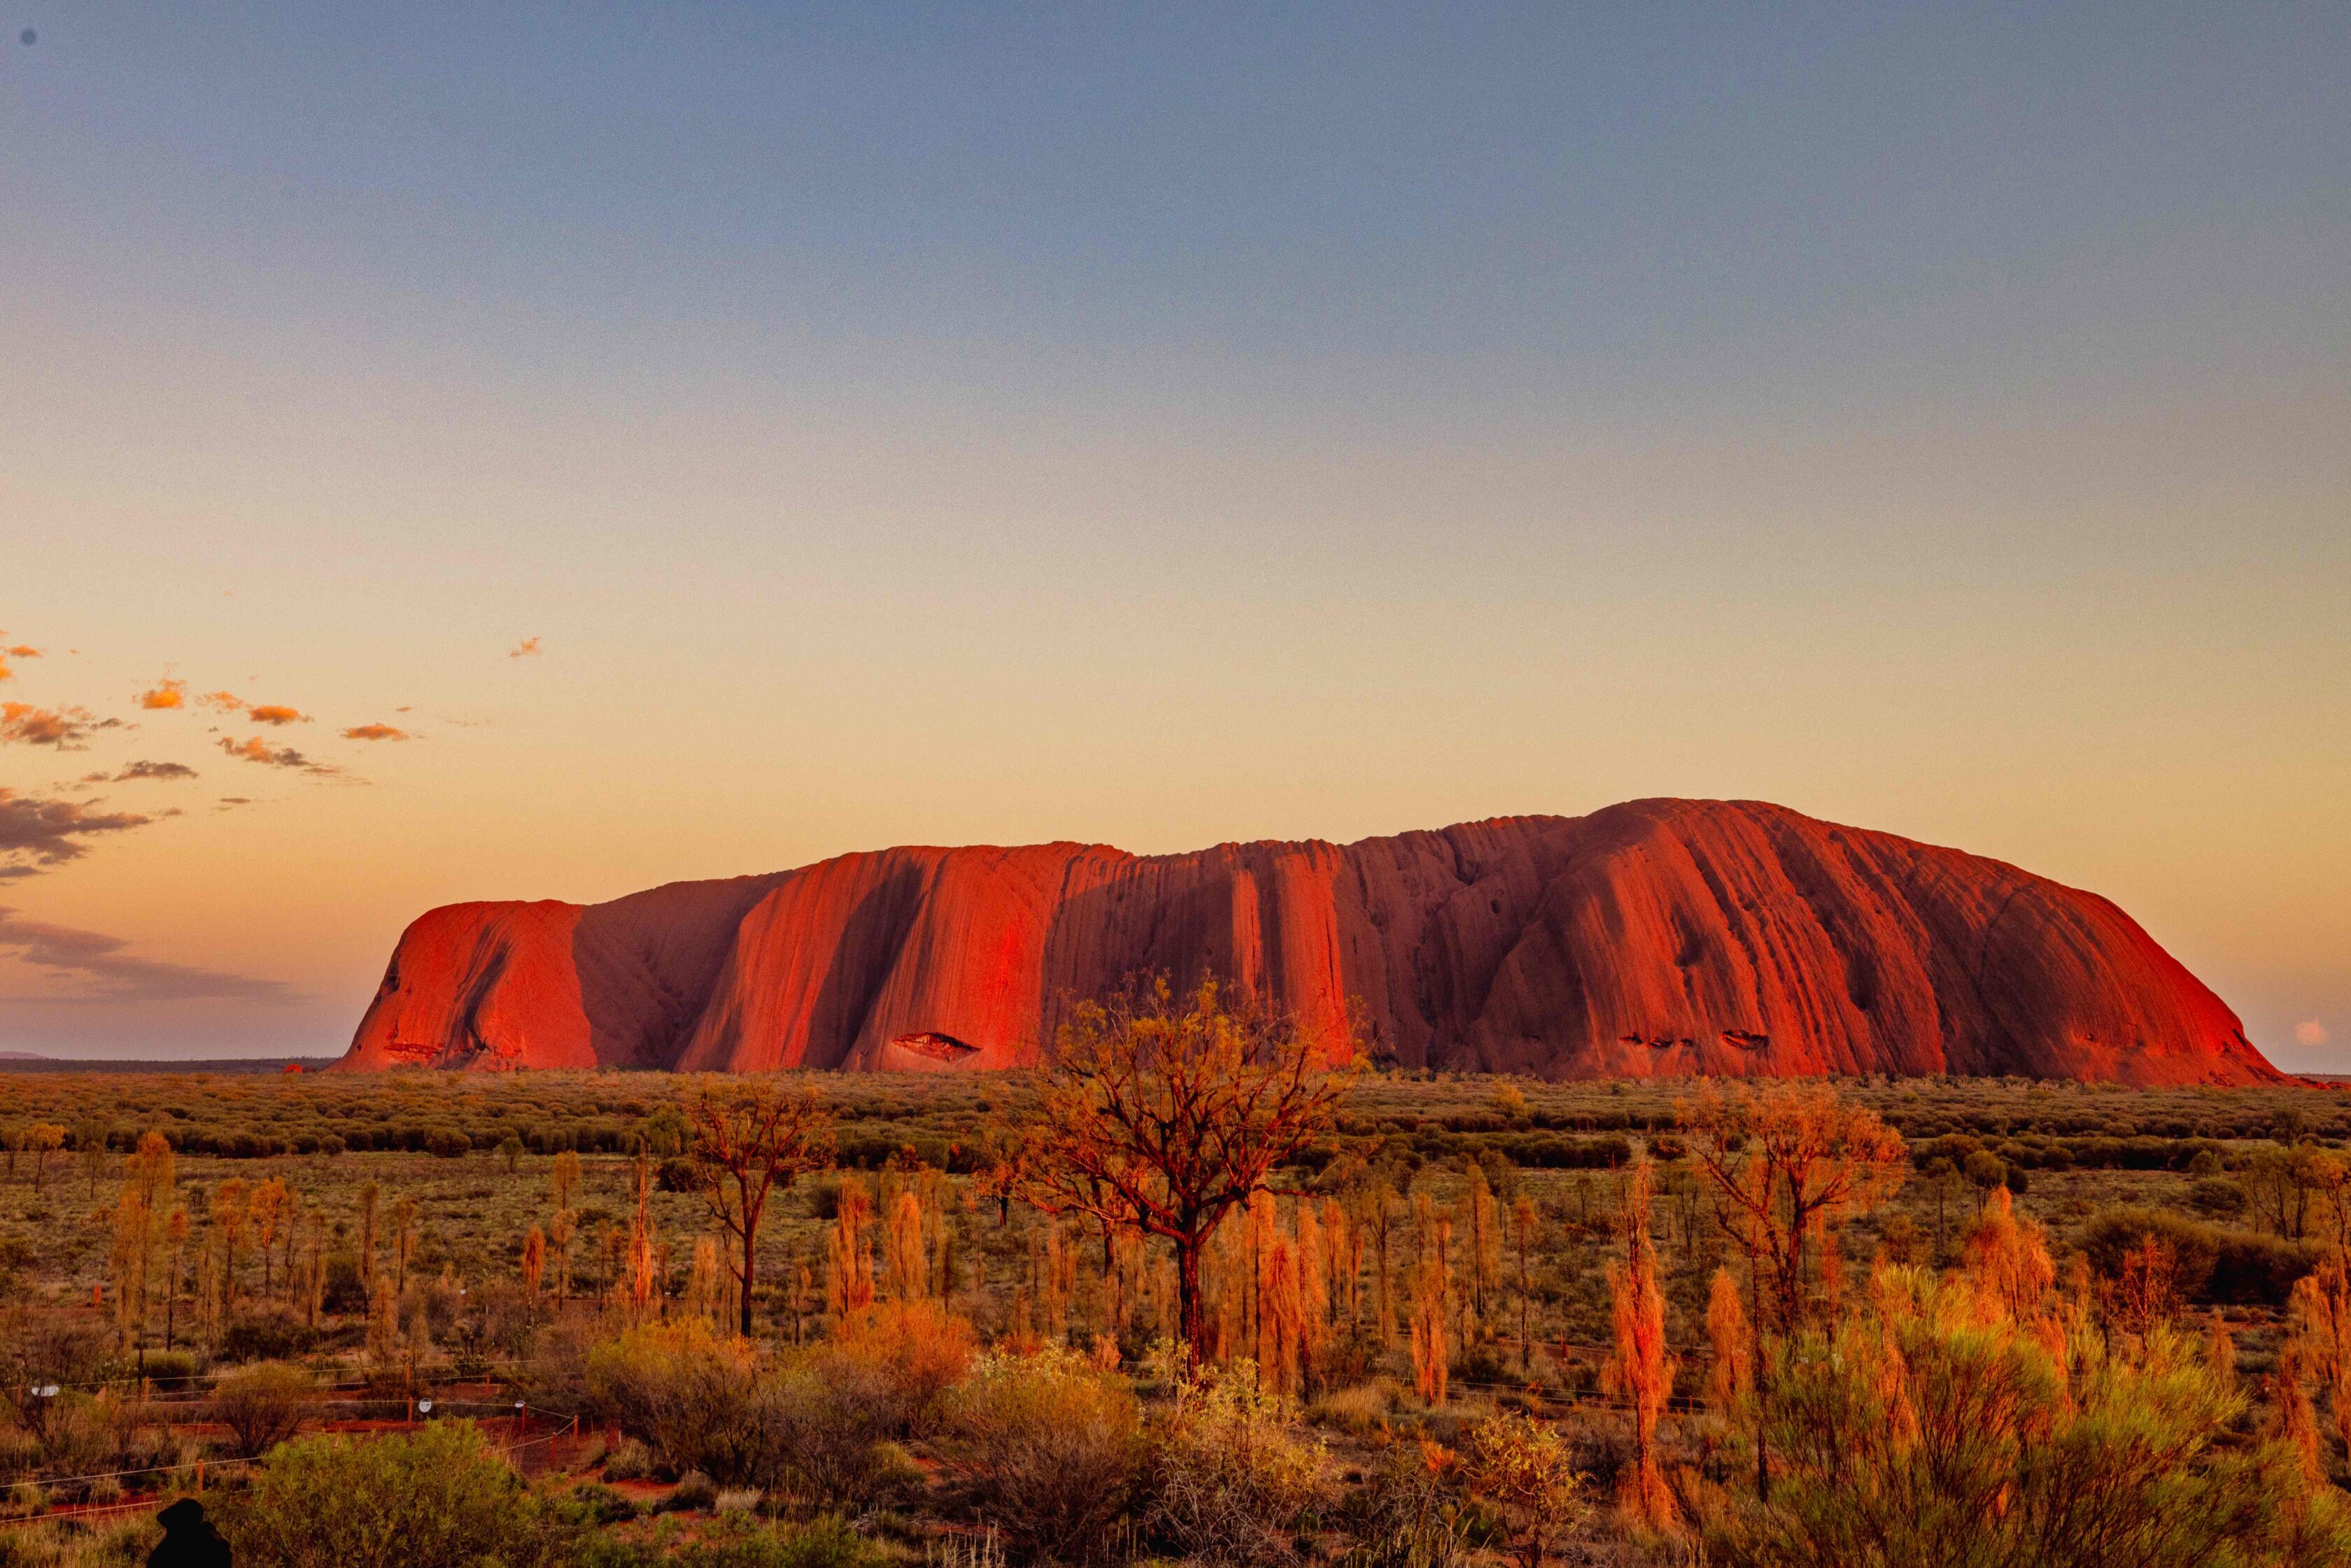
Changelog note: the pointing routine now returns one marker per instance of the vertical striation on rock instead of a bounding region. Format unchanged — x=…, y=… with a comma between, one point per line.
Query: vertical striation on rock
x=1653, y=938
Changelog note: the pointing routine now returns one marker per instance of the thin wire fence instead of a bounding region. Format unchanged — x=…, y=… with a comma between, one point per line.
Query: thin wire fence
x=568, y=1425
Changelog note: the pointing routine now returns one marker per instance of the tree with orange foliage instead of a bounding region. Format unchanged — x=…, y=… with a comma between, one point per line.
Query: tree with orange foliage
x=2146, y=1294
x=750, y=1140
x=1789, y=1163
x=640, y=1276
x=127, y=1267
x=534, y=1260
x=848, y=1256
x=1526, y=1226
x=905, y=1250
x=268, y=1207
x=147, y=1181
x=1640, y=1372
x=232, y=1212
x=2294, y=1421
x=1161, y=1115
x=2008, y=1262
x=2319, y=1315
x=176, y=1230
x=1281, y=1328
x=43, y=1139
x=1731, y=1370
x=1430, y=1362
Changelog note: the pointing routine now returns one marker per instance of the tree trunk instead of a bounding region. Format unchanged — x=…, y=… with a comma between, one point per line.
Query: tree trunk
x=1523, y=1362
x=1188, y=1295
x=1762, y=1382
x=750, y=1264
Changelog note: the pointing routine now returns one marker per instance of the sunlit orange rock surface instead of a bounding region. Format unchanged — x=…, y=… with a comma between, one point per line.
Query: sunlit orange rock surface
x=1654, y=938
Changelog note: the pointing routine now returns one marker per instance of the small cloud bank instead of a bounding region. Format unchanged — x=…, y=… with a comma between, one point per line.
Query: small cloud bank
x=259, y=750
x=164, y=694
x=37, y=834
x=221, y=702
x=376, y=732
x=105, y=973
x=523, y=649
x=139, y=770
x=2309, y=1032
x=276, y=713
x=65, y=728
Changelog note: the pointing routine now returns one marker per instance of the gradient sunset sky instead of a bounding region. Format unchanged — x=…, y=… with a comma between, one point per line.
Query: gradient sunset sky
x=716, y=438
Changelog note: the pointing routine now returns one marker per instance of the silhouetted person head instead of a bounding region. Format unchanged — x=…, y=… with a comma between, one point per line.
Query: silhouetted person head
x=189, y=1539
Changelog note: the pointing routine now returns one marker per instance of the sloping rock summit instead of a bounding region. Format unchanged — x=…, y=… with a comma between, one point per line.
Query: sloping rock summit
x=1654, y=938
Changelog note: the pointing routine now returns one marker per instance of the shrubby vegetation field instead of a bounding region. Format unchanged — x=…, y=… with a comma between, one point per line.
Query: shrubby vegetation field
x=1458, y=1318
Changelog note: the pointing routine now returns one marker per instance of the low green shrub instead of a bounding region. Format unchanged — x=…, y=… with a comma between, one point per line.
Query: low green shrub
x=2215, y=1264
x=75, y=1543
x=1358, y=1408
x=691, y=1397
x=602, y=1504
x=437, y=1498
x=1232, y=1479
x=817, y=1425
x=1049, y=1447
x=829, y=1420
x=1917, y=1435
x=736, y=1540
x=695, y=1493
x=1403, y=1516
x=2217, y=1197
x=262, y=1405
x=631, y=1461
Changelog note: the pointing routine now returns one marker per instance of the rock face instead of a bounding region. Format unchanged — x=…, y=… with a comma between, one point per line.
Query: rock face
x=1654, y=938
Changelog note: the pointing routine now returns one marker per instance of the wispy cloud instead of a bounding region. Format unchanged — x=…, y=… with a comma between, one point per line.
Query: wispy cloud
x=166, y=693
x=36, y=834
x=22, y=651
x=2309, y=1032
x=103, y=972
x=137, y=771
x=523, y=649
x=276, y=713
x=65, y=728
x=259, y=750
x=221, y=702
x=376, y=732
